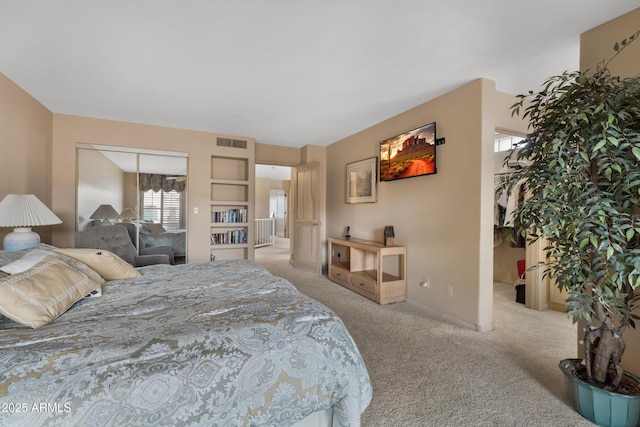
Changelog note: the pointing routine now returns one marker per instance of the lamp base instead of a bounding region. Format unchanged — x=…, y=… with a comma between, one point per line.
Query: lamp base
x=21, y=238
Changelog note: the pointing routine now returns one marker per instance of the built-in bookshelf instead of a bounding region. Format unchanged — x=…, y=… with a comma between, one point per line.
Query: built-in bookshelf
x=231, y=225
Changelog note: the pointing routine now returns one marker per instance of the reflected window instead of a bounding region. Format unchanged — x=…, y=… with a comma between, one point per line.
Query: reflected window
x=162, y=207
x=506, y=143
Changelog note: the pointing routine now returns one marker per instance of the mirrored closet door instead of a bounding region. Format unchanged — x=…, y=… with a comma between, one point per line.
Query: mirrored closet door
x=144, y=189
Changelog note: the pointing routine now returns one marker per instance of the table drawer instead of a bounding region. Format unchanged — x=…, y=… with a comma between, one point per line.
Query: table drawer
x=363, y=284
x=338, y=274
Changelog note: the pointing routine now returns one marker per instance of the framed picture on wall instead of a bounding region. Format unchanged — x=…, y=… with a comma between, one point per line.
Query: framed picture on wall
x=361, y=181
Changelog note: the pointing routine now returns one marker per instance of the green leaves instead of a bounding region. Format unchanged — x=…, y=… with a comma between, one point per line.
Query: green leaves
x=629, y=234
x=619, y=47
x=583, y=186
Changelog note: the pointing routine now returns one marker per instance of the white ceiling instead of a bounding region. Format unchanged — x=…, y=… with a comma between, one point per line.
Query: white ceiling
x=286, y=72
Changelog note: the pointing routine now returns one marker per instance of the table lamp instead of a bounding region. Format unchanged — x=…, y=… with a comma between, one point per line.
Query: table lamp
x=23, y=211
x=105, y=213
x=128, y=214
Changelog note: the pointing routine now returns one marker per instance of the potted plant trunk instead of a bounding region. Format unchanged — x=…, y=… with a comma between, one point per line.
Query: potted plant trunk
x=582, y=174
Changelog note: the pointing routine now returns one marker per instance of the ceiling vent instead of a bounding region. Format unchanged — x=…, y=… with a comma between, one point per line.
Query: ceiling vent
x=229, y=142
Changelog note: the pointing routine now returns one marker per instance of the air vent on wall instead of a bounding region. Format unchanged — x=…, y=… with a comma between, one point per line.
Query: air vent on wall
x=229, y=142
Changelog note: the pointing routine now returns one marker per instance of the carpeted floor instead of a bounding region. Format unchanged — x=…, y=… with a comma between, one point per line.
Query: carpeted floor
x=426, y=372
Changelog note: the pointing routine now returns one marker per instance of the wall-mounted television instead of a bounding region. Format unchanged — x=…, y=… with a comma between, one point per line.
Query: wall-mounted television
x=409, y=154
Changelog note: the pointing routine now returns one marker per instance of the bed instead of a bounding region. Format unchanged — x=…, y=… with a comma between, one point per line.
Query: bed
x=205, y=344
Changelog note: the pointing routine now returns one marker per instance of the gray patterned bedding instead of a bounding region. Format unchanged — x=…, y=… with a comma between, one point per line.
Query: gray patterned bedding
x=207, y=344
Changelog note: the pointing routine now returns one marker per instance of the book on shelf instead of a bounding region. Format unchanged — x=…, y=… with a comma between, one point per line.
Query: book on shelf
x=231, y=215
x=230, y=237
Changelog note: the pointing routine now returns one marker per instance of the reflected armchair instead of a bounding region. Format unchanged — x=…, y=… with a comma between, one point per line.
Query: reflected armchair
x=143, y=249
x=116, y=239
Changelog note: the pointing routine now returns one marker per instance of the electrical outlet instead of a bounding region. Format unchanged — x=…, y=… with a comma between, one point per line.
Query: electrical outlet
x=450, y=290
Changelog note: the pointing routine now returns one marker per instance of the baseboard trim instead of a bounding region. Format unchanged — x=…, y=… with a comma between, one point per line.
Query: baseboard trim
x=451, y=319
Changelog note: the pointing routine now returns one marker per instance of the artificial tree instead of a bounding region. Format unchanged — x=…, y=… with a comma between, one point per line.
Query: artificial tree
x=583, y=196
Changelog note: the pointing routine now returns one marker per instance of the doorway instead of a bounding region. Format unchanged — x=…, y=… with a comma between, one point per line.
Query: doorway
x=506, y=249
x=273, y=184
x=278, y=211
x=538, y=293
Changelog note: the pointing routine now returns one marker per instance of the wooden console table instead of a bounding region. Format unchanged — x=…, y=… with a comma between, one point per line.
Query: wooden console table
x=369, y=268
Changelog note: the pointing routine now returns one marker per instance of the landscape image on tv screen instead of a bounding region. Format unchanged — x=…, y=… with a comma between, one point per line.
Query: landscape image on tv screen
x=410, y=154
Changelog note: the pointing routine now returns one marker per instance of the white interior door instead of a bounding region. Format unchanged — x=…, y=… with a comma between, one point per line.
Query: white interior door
x=306, y=236
x=278, y=209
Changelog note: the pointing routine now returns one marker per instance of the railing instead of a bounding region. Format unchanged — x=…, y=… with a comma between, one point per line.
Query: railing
x=265, y=231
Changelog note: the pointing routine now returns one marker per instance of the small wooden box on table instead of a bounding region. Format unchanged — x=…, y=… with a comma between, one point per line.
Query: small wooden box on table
x=369, y=268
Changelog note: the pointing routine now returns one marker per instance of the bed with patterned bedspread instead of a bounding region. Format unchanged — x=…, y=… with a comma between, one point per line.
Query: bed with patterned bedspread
x=208, y=344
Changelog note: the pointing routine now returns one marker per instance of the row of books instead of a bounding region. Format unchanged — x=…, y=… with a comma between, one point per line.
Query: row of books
x=229, y=237
x=232, y=215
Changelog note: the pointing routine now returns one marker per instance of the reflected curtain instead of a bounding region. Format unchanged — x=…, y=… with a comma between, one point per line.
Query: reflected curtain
x=157, y=182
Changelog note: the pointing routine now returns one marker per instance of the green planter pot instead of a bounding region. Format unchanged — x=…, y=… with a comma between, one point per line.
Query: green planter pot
x=599, y=406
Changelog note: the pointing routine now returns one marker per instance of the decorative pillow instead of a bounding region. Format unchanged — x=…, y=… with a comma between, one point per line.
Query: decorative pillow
x=7, y=257
x=105, y=263
x=30, y=259
x=80, y=266
x=155, y=228
x=37, y=296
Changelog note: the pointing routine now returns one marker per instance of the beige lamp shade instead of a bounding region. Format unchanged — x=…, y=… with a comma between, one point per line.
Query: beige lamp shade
x=105, y=212
x=128, y=214
x=23, y=211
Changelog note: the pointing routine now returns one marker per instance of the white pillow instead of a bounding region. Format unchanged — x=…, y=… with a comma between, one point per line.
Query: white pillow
x=30, y=259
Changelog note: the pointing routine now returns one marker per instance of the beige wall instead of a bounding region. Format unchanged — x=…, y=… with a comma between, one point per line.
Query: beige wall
x=444, y=220
x=25, y=141
x=505, y=258
x=596, y=45
x=69, y=130
x=131, y=194
x=263, y=195
x=268, y=154
x=263, y=186
x=101, y=182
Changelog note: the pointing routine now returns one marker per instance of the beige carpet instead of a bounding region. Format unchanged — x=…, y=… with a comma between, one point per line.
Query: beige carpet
x=426, y=372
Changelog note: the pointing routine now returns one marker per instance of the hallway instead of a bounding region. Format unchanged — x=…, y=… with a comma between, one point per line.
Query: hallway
x=278, y=252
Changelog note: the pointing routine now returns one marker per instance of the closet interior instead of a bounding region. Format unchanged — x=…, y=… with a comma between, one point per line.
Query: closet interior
x=511, y=253
x=508, y=248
